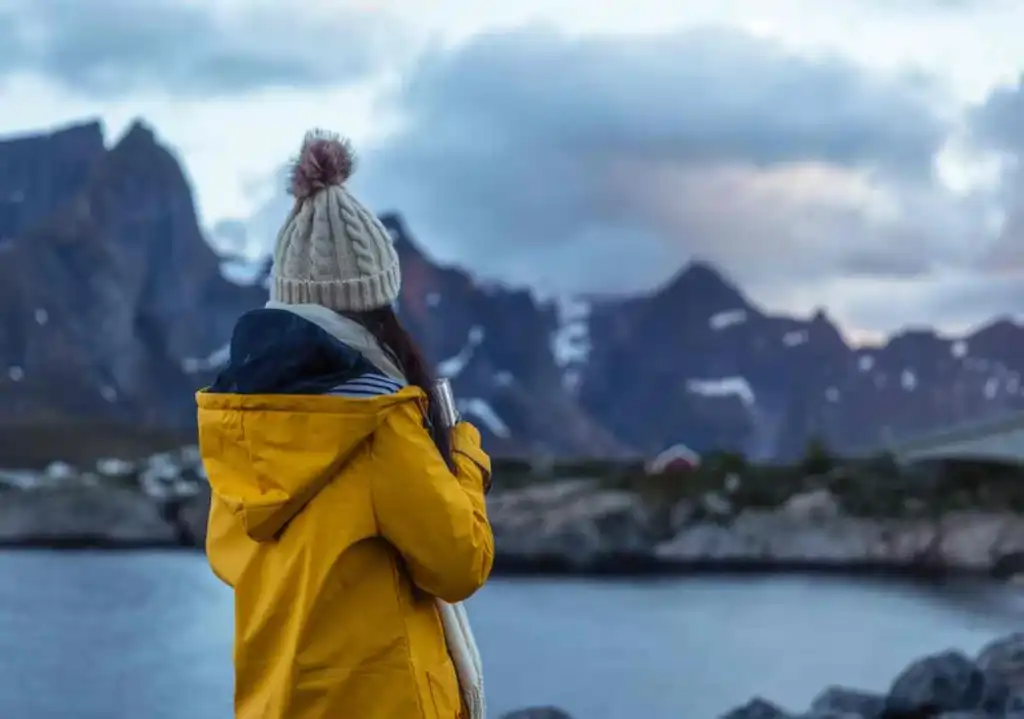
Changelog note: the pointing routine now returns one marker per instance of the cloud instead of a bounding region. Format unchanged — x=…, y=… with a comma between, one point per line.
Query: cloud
x=699, y=95
x=109, y=48
x=996, y=126
x=996, y=123
x=604, y=162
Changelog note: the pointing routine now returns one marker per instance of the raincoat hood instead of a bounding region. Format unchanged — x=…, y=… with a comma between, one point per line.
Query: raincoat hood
x=270, y=436
x=267, y=456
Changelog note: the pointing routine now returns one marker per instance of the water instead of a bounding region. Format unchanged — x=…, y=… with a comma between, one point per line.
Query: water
x=119, y=636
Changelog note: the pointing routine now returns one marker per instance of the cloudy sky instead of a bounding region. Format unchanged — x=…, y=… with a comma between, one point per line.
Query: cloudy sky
x=855, y=154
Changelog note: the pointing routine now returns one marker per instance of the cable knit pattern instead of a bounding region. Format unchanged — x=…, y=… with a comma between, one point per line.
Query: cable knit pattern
x=332, y=251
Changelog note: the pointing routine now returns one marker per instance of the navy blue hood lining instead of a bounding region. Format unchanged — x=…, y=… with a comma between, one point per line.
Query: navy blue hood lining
x=277, y=352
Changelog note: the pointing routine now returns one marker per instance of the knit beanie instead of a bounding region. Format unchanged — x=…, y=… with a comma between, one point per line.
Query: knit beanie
x=332, y=251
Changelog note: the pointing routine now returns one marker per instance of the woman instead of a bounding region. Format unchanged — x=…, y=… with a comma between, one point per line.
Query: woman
x=342, y=511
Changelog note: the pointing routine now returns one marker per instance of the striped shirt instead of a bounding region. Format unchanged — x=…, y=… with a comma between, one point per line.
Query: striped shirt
x=372, y=384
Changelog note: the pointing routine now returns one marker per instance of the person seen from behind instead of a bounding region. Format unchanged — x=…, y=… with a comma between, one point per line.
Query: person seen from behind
x=348, y=519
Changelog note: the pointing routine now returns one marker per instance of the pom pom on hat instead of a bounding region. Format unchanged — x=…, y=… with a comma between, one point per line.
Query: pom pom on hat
x=325, y=160
x=332, y=250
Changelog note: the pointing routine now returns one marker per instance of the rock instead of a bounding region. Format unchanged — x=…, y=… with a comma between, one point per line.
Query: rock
x=715, y=505
x=172, y=475
x=1003, y=660
x=538, y=713
x=800, y=532
x=947, y=685
x=81, y=514
x=757, y=709
x=113, y=467
x=977, y=540
x=1014, y=704
x=945, y=682
x=732, y=483
x=817, y=505
x=571, y=520
x=681, y=514
x=1009, y=566
x=842, y=700
x=19, y=479
x=193, y=514
x=770, y=536
x=57, y=472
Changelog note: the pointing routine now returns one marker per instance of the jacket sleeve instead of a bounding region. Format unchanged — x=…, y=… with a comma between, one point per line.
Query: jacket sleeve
x=435, y=519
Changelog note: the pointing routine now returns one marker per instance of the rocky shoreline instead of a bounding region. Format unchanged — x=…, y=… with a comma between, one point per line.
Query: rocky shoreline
x=946, y=685
x=559, y=526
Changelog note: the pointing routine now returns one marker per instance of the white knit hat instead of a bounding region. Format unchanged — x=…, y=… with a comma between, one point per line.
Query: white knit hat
x=332, y=251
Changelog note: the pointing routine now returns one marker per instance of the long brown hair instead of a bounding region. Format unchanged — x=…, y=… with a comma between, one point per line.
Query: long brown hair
x=385, y=326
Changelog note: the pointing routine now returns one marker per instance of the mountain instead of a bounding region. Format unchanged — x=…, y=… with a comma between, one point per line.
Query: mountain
x=108, y=291
x=500, y=348
x=114, y=309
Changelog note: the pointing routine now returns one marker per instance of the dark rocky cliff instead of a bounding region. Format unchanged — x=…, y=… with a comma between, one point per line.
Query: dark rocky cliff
x=109, y=295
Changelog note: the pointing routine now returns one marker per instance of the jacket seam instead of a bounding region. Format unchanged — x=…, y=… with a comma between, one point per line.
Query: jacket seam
x=413, y=668
x=396, y=569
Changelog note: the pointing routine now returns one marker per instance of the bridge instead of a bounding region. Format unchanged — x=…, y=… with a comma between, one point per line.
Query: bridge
x=995, y=440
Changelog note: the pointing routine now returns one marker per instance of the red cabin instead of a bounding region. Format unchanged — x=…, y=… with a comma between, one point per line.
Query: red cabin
x=677, y=458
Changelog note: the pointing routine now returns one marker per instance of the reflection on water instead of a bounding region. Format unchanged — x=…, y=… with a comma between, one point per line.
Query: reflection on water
x=106, y=636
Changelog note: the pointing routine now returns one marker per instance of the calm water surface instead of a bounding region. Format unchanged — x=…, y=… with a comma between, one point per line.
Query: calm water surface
x=121, y=636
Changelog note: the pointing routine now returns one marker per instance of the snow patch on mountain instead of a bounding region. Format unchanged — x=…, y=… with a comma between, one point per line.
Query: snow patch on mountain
x=908, y=380
x=722, y=320
x=213, y=361
x=483, y=411
x=795, y=338
x=453, y=366
x=723, y=387
x=991, y=388
x=244, y=272
x=1013, y=383
x=570, y=342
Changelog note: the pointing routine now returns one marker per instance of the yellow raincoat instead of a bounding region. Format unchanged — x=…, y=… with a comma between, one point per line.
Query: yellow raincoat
x=337, y=523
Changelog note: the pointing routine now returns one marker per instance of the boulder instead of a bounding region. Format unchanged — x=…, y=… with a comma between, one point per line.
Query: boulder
x=945, y=685
x=758, y=708
x=945, y=682
x=845, y=701
x=193, y=513
x=538, y=713
x=1003, y=660
x=818, y=504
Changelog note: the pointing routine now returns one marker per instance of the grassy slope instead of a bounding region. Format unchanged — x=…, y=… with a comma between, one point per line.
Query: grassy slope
x=875, y=487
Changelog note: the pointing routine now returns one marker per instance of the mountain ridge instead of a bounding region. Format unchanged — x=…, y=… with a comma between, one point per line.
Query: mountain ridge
x=114, y=307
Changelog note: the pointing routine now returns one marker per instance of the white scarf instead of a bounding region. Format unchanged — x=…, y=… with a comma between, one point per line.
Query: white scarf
x=457, y=633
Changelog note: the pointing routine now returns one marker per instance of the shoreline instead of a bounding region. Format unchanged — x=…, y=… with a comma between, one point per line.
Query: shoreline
x=607, y=568
x=572, y=528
